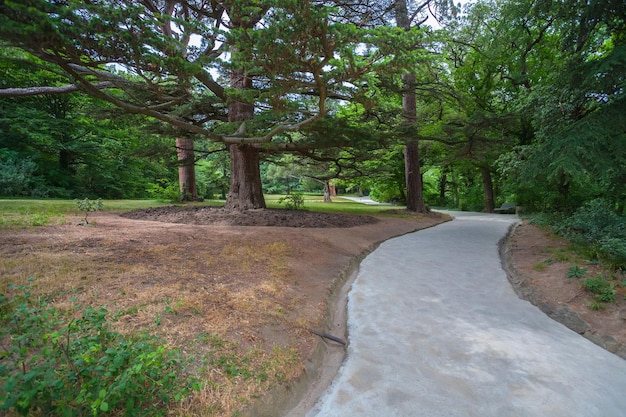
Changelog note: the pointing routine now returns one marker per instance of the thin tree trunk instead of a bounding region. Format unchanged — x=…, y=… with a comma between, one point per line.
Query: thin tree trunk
x=443, y=183
x=455, y=189
x=186, y=169
x=246, y=191
x=413, y=178
x=327, y=192
x=490, y=204
x=412, y=169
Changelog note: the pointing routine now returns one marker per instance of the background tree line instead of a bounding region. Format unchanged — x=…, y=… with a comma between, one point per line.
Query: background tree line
x=502, y=101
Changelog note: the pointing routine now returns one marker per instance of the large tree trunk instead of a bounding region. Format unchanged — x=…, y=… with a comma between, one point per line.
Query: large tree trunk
x=246, y=191
x=186, y=169
x=413, y=178
x=490, y=203
x=412, y=169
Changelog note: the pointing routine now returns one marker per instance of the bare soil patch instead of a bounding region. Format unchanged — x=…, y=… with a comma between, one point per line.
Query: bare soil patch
x=222, y=286
x=261, y=217
x=538, y=264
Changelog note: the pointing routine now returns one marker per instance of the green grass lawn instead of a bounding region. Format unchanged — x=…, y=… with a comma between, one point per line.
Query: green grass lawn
x=338, y=205
x=40, y=212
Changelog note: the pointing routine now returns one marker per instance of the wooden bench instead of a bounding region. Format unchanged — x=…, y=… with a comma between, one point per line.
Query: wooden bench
x=506, y=208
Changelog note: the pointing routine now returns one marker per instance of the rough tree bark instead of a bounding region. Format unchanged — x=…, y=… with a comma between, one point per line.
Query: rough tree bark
x=490, y=203
x=327, y=192
x=246, y=191
x=413, y=178
x=412, y=169
x=186, y=169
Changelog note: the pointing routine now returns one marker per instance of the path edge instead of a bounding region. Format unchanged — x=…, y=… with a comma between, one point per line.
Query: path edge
x=296, y=398
x=562, y=314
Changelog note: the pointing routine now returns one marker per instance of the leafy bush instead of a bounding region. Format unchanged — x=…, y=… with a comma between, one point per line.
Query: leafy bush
x=602, y=289
x=88, y=206
x=57, y=366
x=16, y=174
x=613, y=250
x=595, y=221
x=597, y=226
x=385, y=194
x=576, y=272
x=293, y=201
x=165, y=191
x=607, y=294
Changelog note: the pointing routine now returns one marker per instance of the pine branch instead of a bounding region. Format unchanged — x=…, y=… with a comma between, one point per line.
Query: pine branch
x=37, y=91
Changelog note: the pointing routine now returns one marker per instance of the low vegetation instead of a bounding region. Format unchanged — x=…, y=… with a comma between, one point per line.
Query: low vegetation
x=597, y=231
x=85, y=315
x=293, y=201
x=86, y=206
x=68, y=362
x=597, y=236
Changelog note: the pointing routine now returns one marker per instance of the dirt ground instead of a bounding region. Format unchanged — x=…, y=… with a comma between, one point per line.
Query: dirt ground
x=240, y=290
x=538, y=264
x=258, y=281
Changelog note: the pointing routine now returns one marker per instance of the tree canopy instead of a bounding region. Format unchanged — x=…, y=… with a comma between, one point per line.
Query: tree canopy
x=523, y=98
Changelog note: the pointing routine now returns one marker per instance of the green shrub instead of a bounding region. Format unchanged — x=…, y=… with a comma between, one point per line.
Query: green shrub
x=613, y=251
x=594, y=305
x=598, y=227
x=596, y=220
x=293, y=201
x=58, y=366
x=595, y=285
x=16, y=174
x=602, y=289
x=607, y=294
x=576, y=272
x=88, y=206
x=165, y=191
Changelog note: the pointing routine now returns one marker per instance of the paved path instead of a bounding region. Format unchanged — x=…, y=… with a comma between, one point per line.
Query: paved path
x=436, y=330
x=364, y=200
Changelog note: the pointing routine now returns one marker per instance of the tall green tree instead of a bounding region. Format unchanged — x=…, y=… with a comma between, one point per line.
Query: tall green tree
x=237, y=72
x=578, y=110
x=361, y=140
x=496, y=54
x=557, y=68
x=405, y=73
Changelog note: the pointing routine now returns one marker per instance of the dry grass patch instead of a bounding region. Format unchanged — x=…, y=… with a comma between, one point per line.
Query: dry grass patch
x=182, y=291
x=235, y=301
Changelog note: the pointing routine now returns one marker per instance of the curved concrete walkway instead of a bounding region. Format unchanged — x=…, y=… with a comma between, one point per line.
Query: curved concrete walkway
x=437, y=330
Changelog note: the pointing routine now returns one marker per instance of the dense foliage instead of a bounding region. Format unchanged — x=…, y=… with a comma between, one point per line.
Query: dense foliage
x=517, y=101
x=72, y=145
x=57, y=364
